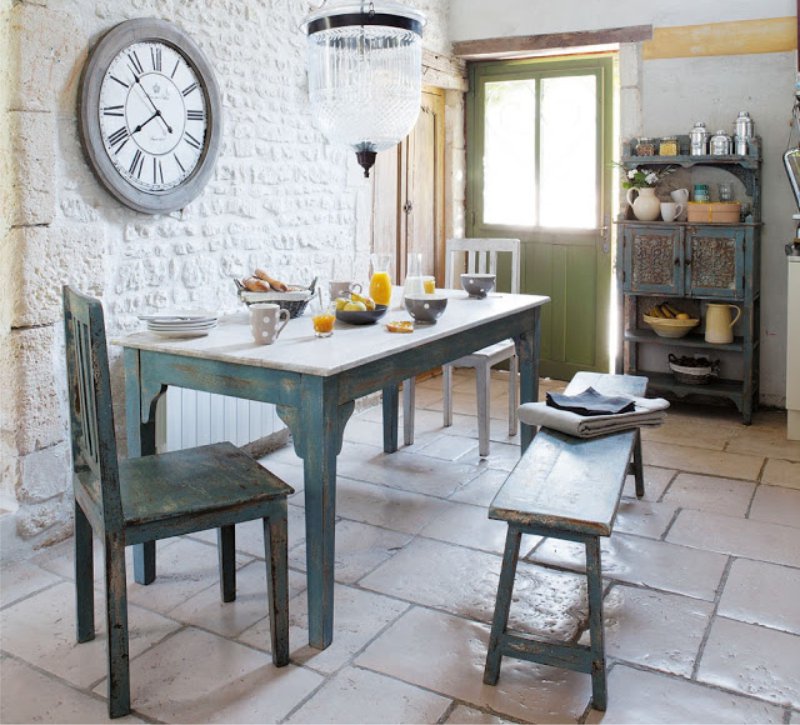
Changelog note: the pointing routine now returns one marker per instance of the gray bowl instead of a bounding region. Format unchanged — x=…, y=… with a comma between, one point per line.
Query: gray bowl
x=478, y=285
x=425, y=308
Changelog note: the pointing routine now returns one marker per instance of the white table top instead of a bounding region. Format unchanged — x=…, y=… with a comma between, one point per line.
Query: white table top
x=298, y=350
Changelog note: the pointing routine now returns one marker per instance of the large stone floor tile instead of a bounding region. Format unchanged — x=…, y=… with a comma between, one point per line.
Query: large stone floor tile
x=183, y=569
x=762, y=441
x=41, y=631
x=197, y=677
x=687, y=431
x=657, y=630
x=718, y=495
x=782, y=473
x=656, y=481
x=21, y=579
x=407, y=471
x=480, y=491
x=360, y=696
x=447, y=655
x=471, y=526
x=291, y=474
x=463, y=715
x=699, y=460
x=359, y=549
x=777, y=505
x=358, y=615
x=464, y=582
x=753, y=660
x=643, y=517
x=29, y=696
x=637, y=697
x=447, y=447
x=637, y=560
x=389, y=508
x=761, y=593
x=228, y=619
x=739, y=537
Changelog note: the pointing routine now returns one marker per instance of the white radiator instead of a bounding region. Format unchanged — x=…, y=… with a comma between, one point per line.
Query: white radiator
x=189, y=418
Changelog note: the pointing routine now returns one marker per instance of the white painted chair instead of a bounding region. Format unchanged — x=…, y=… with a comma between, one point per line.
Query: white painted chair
x=481, y=256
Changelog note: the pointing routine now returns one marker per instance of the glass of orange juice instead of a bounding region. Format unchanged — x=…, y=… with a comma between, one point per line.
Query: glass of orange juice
x=429, y=284
x=380, y=284
x=323, y=318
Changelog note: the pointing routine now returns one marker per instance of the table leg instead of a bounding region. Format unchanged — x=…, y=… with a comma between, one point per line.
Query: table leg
x=390, y=418
x=141, y=438
x=528, y=351
x=317, y=428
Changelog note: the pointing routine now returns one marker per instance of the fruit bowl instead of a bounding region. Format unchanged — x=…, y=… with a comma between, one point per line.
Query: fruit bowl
x=665, y=327
x=361, y=317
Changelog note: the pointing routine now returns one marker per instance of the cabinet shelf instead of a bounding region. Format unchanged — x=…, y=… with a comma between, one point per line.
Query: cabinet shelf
x=719, y=388
x=693, y=341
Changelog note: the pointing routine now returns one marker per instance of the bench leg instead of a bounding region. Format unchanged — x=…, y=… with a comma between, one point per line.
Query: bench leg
x=409, y=403
x=638, y=468
x=502, y=606
x=226, y=550
x=595, y=586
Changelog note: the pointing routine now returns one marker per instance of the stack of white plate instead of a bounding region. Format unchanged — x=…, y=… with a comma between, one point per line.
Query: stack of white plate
x=181, y=323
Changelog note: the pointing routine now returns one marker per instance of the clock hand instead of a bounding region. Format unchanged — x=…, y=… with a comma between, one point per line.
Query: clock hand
x=142, y=125
x=155, y=108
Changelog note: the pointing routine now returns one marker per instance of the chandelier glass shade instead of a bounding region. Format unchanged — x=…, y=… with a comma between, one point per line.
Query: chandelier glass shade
x=365, y=74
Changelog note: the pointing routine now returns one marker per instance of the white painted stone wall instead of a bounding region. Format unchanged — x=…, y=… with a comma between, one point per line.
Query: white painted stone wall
x=661, y=97
x=281, y=198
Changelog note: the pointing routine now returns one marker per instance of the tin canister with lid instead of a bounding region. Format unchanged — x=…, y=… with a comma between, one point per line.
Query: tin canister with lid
x=744, y=132
x=720, y=144
x=698, y=138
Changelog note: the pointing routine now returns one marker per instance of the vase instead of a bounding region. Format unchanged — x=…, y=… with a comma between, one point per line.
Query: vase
x=646, y=207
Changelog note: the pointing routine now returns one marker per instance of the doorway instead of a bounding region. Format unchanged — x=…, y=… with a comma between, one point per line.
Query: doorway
x=408, y=201
x=539, y=147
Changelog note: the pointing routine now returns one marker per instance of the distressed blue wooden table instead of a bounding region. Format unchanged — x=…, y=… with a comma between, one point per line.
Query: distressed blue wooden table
x=314, y=383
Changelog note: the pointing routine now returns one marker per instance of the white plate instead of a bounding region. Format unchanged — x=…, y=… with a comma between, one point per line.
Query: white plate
x=295, y=295
x=181, y=326
x=181, y=316
x=180, y=334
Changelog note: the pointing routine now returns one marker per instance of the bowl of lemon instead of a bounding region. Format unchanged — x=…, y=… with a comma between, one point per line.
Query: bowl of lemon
x=358, y=310
x=667, y=321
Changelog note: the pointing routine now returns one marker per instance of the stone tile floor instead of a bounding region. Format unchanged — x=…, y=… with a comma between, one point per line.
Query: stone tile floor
x=702, y=603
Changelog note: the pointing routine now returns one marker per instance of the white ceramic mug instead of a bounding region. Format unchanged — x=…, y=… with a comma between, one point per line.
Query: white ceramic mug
x=266, y=322
x=670, y=211
x=343, y=289
x=681, y=196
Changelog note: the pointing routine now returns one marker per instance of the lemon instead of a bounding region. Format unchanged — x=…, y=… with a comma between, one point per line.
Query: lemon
x=363, y=299
x=355, y=307
x=340, y=303
x=682, y=316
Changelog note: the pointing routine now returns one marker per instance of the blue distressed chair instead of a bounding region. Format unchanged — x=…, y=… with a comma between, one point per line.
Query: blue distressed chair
x=127, y=502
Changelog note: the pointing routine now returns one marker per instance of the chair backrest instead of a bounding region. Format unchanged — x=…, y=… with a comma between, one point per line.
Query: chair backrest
x=94, y=444
x=481, y=257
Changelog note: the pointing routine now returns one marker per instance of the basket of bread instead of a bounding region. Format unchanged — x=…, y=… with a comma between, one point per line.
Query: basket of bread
x=261, y=287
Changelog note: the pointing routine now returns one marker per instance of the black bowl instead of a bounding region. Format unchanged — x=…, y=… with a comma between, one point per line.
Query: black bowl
x=361, y=317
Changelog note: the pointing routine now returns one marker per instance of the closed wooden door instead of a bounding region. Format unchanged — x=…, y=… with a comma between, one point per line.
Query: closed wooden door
x=408, y=201
x=539, y=144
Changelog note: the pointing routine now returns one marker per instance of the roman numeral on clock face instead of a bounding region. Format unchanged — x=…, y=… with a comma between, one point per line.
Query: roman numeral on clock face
x=155, y=57
x=195, y=115
x=136, y=165
x=119, y=138
x=136, y=65
x=114, y=111
x=192, y=141
x=186, y=91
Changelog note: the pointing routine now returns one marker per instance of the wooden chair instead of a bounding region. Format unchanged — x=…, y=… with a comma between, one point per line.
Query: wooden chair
x=481, y=256
x=127, y=502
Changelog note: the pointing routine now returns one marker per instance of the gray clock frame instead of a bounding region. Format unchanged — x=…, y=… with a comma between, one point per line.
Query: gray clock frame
x=117, y=39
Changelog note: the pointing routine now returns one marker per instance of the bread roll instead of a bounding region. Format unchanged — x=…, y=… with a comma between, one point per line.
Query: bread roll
x=276, y=284
x=254, y=284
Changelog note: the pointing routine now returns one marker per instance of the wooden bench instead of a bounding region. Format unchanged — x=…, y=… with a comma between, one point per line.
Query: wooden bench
x=566, y=488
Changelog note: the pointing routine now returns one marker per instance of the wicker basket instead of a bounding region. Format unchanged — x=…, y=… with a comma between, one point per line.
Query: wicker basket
x=295, y=300
x=693, y=371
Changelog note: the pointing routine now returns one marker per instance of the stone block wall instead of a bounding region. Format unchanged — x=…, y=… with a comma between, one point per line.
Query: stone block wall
x=281, y=198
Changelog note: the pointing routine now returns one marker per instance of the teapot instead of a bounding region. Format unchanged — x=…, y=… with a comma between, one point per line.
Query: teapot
x=719, y=325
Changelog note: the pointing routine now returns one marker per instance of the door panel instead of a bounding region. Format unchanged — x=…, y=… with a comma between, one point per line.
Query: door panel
x=715, y=262
x=539, y=143
x=653, y=259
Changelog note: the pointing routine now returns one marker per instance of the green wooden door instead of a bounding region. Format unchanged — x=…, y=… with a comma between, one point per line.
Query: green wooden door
x=539, y=139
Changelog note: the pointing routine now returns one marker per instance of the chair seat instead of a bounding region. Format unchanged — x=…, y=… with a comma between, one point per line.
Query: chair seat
x=183, y=484
x=491, y=354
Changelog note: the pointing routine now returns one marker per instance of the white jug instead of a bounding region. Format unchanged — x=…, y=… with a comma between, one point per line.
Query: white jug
x=681, y=196
x=719, y=325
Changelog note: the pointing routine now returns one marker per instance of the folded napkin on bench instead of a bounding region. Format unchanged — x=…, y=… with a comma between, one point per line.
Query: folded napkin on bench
x=649, y=411
x=590, y=402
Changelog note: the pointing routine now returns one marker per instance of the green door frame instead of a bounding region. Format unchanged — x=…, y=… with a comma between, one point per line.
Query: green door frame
x=554, y=362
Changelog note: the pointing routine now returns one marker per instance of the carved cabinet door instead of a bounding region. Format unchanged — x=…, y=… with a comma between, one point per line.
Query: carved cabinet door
x=653, y=259
x=714, y=262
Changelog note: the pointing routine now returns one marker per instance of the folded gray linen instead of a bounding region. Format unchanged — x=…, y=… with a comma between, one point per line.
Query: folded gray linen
x=649, y=411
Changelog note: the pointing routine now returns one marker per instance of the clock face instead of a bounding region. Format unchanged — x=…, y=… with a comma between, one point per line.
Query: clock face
x=152, y=115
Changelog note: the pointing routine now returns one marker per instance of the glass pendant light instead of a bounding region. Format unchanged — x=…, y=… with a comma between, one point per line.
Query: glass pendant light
x=365, y=74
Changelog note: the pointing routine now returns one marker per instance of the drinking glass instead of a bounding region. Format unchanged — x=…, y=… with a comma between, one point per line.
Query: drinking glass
x=380, y=284
x=323, y=317
x=413, y=284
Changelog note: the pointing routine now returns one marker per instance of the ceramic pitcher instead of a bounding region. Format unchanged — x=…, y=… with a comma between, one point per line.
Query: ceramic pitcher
x=719, y=325
x=681, y=196
x=646, y=206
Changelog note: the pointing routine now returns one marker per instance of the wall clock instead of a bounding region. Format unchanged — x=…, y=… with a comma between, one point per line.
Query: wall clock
x=150, y=115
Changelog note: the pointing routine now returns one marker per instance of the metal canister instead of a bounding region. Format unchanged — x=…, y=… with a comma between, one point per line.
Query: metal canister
x=698, y=137
x=744, y=125
x=720, y=144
